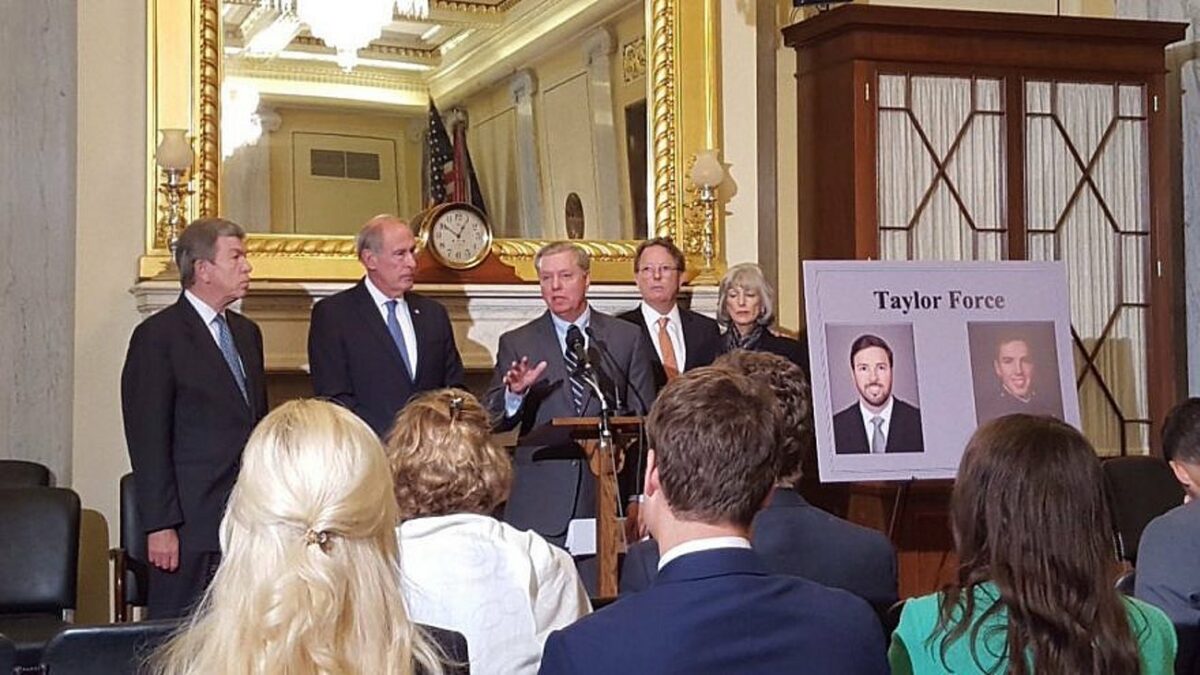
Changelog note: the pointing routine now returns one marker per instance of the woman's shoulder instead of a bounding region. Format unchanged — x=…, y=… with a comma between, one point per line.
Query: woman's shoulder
x=1146, y=618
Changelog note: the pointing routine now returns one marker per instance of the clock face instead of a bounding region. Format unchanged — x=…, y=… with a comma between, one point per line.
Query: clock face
x=460, y=238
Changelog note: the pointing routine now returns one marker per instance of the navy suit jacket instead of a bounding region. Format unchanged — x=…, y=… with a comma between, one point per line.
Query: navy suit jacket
x=701, y=341
x=355, y=362
x=186, y=421
x=720, y=611
x=796, y=538
x=904, y=431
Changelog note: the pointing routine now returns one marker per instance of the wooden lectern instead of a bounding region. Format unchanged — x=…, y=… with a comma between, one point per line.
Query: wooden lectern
x=610, y=539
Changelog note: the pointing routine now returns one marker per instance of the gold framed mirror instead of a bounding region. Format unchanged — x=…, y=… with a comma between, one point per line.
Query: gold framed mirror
x=186, y=67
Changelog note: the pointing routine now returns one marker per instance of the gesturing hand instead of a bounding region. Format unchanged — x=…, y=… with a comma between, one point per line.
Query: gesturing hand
x=521, y=376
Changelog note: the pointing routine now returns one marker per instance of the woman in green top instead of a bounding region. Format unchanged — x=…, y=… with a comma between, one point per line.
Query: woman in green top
x=1034, y=588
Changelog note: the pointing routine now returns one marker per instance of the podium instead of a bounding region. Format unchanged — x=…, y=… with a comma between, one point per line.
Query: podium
x=604, y=465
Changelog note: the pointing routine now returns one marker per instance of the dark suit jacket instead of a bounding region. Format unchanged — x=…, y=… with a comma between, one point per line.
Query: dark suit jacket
x=552, y=483
x=720, y=611
x=186, y=421
x=795, y=351
x=355, y=362
x=795, y=538
x=904, y=431
x=701, y=341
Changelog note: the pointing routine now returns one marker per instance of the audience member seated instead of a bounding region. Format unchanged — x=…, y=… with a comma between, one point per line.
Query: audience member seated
x=1168, y=568
x=746, y=310
x=308, y=580
x=461, y=569
x=792, y=536
x=1034, y=590
x=715, y=607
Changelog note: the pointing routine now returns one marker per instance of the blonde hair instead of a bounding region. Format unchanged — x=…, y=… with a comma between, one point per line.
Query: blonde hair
x=443, y=459
x=309, y=579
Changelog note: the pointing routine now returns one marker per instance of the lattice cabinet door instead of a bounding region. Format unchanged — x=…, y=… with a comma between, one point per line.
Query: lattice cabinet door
x=1087, y=202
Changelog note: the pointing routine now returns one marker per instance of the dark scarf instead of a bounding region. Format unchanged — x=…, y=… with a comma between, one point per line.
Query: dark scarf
x=735, y=340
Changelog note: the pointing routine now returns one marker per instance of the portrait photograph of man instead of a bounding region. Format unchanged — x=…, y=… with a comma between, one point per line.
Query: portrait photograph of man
x=878, y=412
x=1014, y=369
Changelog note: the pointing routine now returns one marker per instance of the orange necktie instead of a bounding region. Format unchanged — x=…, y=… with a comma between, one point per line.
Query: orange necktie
x=668, y=349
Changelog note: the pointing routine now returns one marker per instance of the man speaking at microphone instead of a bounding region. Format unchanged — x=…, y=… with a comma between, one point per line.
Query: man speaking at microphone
x=534, y=383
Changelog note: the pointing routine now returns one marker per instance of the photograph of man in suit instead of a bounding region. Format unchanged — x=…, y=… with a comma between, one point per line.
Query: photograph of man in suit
x=679, y=338
x=1017, y=387
x=375, y=345
x=192, y=389
x=715, y=606
x=533, y=384
x=877, y=422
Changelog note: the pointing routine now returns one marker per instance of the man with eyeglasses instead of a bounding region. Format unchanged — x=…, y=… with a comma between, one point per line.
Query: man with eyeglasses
x=680, y=338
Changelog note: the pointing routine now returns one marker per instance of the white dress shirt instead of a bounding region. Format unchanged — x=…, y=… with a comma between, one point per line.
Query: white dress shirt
x=505, y=590
x=674, y=331
x=697, y=545
x=402, y=317
x=867, y=416
x=512, y=402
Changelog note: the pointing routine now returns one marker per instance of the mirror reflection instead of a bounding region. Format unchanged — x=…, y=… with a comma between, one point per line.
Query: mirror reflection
x=547, y=99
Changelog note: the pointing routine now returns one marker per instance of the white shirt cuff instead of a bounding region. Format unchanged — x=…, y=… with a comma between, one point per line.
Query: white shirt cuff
x=512, y=403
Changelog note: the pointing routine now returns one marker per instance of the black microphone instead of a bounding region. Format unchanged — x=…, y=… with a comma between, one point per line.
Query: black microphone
x=575, y=346
x=607, y=355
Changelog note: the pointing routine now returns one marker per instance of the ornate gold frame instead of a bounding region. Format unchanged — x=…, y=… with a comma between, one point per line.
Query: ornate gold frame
x=184, y=75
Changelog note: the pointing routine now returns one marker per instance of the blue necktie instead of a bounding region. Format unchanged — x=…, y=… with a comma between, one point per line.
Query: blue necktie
x=393, y=326
x=229, y=351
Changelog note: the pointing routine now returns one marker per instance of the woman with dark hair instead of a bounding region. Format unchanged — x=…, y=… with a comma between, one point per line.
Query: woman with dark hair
x=746, y=310
x=1034, y=591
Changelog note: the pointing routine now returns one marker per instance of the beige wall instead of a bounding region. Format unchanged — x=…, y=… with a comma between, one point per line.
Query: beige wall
x=109, y=220
x=789, y=254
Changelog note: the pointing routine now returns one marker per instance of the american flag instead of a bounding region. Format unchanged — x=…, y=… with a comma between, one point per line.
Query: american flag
x=450, y=176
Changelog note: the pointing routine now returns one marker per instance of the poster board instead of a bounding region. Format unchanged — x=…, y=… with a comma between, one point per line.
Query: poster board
x=908, y=358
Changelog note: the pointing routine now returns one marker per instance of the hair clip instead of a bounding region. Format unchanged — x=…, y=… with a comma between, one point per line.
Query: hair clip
x=321, y=539
x=456, y=406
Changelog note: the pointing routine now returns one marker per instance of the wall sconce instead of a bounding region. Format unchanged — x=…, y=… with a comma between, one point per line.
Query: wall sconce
x=175, y=156
x=707, y=175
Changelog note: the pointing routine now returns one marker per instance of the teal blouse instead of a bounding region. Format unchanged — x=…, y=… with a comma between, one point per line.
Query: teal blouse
x=911, y=651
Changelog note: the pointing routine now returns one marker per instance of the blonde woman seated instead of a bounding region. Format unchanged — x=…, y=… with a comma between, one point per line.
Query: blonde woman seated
x=462, y=569
x=308, y=579
x=1034, y=591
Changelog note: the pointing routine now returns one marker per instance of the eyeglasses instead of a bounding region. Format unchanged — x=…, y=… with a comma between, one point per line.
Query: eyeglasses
x=651, y=270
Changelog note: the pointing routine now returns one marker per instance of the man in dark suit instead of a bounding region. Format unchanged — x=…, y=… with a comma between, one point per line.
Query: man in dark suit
x=679, y=338
x=532, y=385
x=792, y=536
x=192, y=389
x=714, y=607
x=878, y=422
x=374, y=345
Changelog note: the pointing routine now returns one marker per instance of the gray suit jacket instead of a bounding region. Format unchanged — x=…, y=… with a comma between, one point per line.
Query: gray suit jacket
x=625, y=369
x=552, y=484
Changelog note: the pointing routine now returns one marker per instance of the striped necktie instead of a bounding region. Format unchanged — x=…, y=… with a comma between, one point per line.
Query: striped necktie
x=229, y=351
x=578, y=387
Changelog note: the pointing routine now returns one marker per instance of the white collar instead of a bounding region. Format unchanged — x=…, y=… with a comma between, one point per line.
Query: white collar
x=651, y=316
x=886, y=413
x=379, y=297
x=704, y=544
x=207, y=313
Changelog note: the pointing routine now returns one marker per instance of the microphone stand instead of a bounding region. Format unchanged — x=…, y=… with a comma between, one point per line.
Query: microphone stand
x=607, y=448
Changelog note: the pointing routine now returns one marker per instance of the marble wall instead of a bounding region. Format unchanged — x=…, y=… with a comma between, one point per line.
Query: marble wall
x=37, y=231
x=1185, y=70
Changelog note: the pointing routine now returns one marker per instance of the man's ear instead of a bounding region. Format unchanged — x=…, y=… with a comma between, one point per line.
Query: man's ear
x=1186, y=474
x=651, y=484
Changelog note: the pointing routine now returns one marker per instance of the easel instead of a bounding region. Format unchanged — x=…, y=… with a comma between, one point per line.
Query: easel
x=603, y=445
x=898, y=505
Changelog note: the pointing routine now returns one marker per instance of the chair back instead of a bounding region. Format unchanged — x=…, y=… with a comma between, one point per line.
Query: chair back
x=1139, y=490
x=8, y=655
x=39, y=528
x=1126, y=582
x=109, y=649
x=133, y=543
x=20, y=473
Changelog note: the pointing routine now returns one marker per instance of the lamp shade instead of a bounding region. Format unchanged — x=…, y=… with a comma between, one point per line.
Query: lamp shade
x=707, y=171
x=174, y=151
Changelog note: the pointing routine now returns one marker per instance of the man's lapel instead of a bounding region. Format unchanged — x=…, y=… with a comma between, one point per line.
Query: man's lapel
x=374, y=322
x=206, y=348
